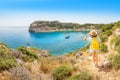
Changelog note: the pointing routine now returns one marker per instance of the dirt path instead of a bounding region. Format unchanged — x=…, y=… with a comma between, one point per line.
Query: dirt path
x=96, y=71
x=99, y=74
x=117, y=31
x=108, y=43
x=110, y=50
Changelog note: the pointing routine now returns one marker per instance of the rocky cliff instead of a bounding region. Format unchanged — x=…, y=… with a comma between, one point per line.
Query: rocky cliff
x=44, y=26
x=36, y=27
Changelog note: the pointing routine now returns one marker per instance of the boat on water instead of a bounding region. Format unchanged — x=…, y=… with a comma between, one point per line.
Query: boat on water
x=67, y=37
x=28, y=44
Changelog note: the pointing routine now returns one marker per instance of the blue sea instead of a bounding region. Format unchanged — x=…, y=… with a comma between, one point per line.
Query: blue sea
x=54, y=42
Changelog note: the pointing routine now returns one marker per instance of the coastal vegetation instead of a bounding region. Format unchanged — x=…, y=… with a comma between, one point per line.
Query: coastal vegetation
x=83, y=75
x=103, y=48
x=28, y=54
x=115, y=58
x=61, y=73
x=104, y=35
x=7, y=61
x=116, y=62
x=29, y=63
x=116, y=42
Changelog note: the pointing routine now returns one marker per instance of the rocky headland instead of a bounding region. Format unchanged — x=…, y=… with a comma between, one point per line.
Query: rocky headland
x=52, y=26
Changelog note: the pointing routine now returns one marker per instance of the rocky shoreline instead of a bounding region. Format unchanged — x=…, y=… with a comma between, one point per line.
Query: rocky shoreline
x=59, y=30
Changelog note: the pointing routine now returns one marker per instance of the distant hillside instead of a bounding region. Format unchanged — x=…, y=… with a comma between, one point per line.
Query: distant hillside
x=46, y=26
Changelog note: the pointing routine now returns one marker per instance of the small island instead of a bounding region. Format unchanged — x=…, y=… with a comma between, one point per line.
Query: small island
x=52, y=26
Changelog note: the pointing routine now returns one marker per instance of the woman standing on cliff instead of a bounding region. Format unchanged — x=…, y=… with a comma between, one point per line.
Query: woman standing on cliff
x=94, y=45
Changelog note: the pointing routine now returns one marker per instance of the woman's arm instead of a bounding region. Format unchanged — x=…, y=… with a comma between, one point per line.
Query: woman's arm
x=99, y=38
x=85, y=38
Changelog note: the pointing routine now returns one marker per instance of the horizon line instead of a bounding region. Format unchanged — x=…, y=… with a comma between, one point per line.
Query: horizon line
x=22, y=26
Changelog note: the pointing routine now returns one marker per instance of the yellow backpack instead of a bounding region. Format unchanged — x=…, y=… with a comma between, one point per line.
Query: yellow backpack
x=95, y=44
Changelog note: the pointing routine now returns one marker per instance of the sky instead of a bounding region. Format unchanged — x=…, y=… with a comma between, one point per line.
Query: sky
x=24, y=12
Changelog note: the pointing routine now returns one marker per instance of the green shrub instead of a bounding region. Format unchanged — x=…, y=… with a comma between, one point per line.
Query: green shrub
x=103, y=48
x=116, y=62
x=107, y=27
x=61, y=73
x=111, y=57
x=83, y=75
x=28, y=55
x=7, y=63
x=117, y=24
x=6, y=60
x=116, y=42
x=104, y=36
x=5, y=54
x=32, y=54
x=5, y=46
x=115, y=59
x=108, y=33
x=28, y=58
x=27, y=52
x=118, y=49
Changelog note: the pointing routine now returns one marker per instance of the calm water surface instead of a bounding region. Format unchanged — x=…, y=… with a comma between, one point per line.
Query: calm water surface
x=54, y=42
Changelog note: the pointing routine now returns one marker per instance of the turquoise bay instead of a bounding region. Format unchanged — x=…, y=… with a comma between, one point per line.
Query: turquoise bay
x=54, y=42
